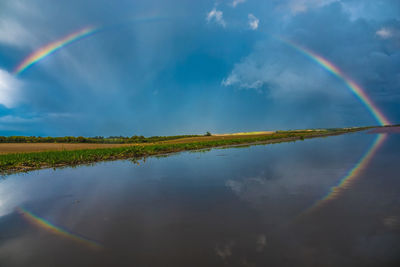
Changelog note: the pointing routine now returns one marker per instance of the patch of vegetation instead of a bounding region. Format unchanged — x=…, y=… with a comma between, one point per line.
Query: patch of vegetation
x=28, y=161
x=94, y=140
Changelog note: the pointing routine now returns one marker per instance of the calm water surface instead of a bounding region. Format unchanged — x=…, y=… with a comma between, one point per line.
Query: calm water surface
x=253, y=206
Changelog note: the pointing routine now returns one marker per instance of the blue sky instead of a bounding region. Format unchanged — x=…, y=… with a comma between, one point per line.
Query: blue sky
x=165, y=67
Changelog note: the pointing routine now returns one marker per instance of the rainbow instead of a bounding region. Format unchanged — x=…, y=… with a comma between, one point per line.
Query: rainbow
x=356, y=89
x=351, y=175
x=49, y=49
x=48, y=226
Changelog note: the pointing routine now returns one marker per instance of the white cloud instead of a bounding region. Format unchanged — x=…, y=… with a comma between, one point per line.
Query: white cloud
x=61, y=115
x=253, y=22
x=278, y=74
x=277, y=81
x=299, y=6
x=15, y=119
x=217, y=16
x=237, y=2
x=20, y=124
x=384, y=33
x=230, y=80
x=391, y=34
x=234, y=80
x=12, y=33
x=16, y=123
x=246, y=75
x=9, y=89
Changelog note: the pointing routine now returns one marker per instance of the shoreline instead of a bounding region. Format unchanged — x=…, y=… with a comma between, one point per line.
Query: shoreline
x=25, y=162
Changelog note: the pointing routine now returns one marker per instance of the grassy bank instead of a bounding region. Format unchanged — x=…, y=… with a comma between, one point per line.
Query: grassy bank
x=19, y=162
x=90, y=140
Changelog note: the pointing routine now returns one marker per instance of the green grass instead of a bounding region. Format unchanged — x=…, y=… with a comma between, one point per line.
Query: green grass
x=28, y=161
x=91, y=140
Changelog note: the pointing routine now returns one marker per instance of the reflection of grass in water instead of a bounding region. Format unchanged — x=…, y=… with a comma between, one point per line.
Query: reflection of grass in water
x=247, y=133
x=202, y=150
x=28, y=161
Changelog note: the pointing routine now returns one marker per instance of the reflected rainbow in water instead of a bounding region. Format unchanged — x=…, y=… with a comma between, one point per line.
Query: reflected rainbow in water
x=360, y=93
x=48, y=226
x=351, y=175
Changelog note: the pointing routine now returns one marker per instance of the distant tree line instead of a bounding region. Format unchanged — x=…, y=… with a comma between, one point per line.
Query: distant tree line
x=95, y=139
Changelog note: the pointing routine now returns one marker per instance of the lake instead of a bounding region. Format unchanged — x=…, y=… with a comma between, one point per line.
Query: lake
x=331, y=201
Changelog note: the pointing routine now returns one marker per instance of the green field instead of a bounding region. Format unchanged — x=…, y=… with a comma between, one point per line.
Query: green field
x=19, y=162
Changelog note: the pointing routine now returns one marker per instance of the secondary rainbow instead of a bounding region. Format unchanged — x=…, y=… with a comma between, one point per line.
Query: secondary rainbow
x=48, y=226
x=49, y=49
x=356, y=89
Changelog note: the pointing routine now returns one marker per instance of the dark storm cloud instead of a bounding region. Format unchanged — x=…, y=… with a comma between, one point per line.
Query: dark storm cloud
x=354, y=45
x=156, y=67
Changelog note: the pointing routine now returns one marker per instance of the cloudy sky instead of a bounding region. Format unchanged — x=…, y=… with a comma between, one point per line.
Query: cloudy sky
x=163, y=67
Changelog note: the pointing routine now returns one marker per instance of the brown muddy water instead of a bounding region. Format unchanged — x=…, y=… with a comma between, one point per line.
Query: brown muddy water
x=331, y=201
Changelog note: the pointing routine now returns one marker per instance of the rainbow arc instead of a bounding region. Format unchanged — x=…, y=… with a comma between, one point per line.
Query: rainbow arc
x=49, y=49
x=360, y=93
x=356, y=89
x=49, y=227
